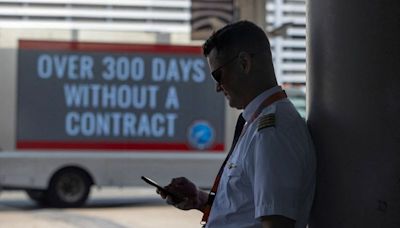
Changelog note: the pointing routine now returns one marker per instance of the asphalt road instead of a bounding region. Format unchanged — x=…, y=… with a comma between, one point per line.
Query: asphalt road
x=111, y=208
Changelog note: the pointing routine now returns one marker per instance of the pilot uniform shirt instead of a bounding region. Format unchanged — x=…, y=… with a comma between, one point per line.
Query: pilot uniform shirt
x=270, y=172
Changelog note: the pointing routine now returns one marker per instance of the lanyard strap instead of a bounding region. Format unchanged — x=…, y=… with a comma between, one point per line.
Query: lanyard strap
x=239, y=131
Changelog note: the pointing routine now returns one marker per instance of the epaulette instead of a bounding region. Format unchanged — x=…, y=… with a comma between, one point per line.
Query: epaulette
x=266, y=121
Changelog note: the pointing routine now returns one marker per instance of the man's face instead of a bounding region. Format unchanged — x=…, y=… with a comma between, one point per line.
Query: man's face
x=226, y=74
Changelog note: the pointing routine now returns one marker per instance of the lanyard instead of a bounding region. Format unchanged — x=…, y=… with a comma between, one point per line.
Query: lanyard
x=271, y=99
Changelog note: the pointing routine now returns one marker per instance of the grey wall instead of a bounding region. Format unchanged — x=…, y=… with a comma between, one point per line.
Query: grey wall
x=354, y=111
x=8, y=77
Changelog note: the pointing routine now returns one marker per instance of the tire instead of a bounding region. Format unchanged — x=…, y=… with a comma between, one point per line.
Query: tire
x=68, y=188
x=38, y=196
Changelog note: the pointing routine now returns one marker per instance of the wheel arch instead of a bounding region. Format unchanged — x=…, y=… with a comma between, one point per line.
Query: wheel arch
x=75, y=168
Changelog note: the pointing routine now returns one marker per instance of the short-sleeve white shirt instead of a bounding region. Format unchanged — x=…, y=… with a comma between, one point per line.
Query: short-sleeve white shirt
x=270, y=172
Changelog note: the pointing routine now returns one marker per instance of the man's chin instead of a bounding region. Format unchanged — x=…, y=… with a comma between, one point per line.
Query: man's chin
x=235, y=105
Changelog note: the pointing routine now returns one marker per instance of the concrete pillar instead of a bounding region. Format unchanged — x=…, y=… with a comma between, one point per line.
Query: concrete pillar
x=353, y=58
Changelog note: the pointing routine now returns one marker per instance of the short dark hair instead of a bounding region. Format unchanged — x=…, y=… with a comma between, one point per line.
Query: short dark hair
x=239, y=36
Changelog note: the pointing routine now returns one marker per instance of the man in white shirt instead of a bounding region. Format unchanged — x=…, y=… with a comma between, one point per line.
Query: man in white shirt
x=268, y=178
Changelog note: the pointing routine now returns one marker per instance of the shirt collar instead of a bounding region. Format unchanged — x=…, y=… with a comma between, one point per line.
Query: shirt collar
x=253, y=105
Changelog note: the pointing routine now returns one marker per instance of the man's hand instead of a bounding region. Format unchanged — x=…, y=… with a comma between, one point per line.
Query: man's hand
x=277, y=221
x=191, y=197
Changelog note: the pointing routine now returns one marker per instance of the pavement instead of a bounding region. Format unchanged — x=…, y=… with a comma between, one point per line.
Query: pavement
x=108, y=208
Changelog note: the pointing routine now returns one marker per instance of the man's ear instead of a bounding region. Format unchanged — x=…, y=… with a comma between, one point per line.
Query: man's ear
x=245, y=62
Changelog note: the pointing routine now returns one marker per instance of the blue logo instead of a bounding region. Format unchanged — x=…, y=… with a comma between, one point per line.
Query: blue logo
x=201, y=135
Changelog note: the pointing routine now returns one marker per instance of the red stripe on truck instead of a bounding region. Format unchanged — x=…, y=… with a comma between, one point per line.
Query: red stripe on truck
x=108, y=47
x=160, y=147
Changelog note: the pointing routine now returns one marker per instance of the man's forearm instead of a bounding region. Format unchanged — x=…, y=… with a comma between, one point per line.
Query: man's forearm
x=203, y=198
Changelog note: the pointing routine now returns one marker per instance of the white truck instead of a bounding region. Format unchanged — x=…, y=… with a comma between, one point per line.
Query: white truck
x=75, y=115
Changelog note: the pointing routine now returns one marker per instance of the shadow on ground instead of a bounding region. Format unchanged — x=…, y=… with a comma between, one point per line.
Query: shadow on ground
x=104, y=202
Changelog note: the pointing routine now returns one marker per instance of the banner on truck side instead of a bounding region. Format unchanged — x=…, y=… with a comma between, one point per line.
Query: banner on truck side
x=74, y=95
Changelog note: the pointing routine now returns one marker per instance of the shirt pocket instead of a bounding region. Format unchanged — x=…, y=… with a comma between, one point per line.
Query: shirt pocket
x=233, y=170
x=236, y=189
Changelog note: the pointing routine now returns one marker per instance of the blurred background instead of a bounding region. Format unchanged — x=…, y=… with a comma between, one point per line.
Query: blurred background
x=162, y=22
x=96, y=177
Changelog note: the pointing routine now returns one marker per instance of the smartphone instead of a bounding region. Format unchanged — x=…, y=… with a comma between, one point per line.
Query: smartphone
x=161, y=189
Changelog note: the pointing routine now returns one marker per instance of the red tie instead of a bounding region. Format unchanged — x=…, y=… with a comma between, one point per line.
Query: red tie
x=239, y=131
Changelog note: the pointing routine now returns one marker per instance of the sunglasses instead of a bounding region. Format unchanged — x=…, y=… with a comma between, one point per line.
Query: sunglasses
x=217, y=74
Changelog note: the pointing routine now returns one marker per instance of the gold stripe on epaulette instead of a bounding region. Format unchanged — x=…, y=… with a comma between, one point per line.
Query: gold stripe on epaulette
x=266, y=121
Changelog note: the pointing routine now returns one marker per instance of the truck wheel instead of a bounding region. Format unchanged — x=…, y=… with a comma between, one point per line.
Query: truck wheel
x=68, y=188
x=39, y=196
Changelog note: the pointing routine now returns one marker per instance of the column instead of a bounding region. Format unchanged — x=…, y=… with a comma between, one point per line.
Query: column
x=353, y=63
